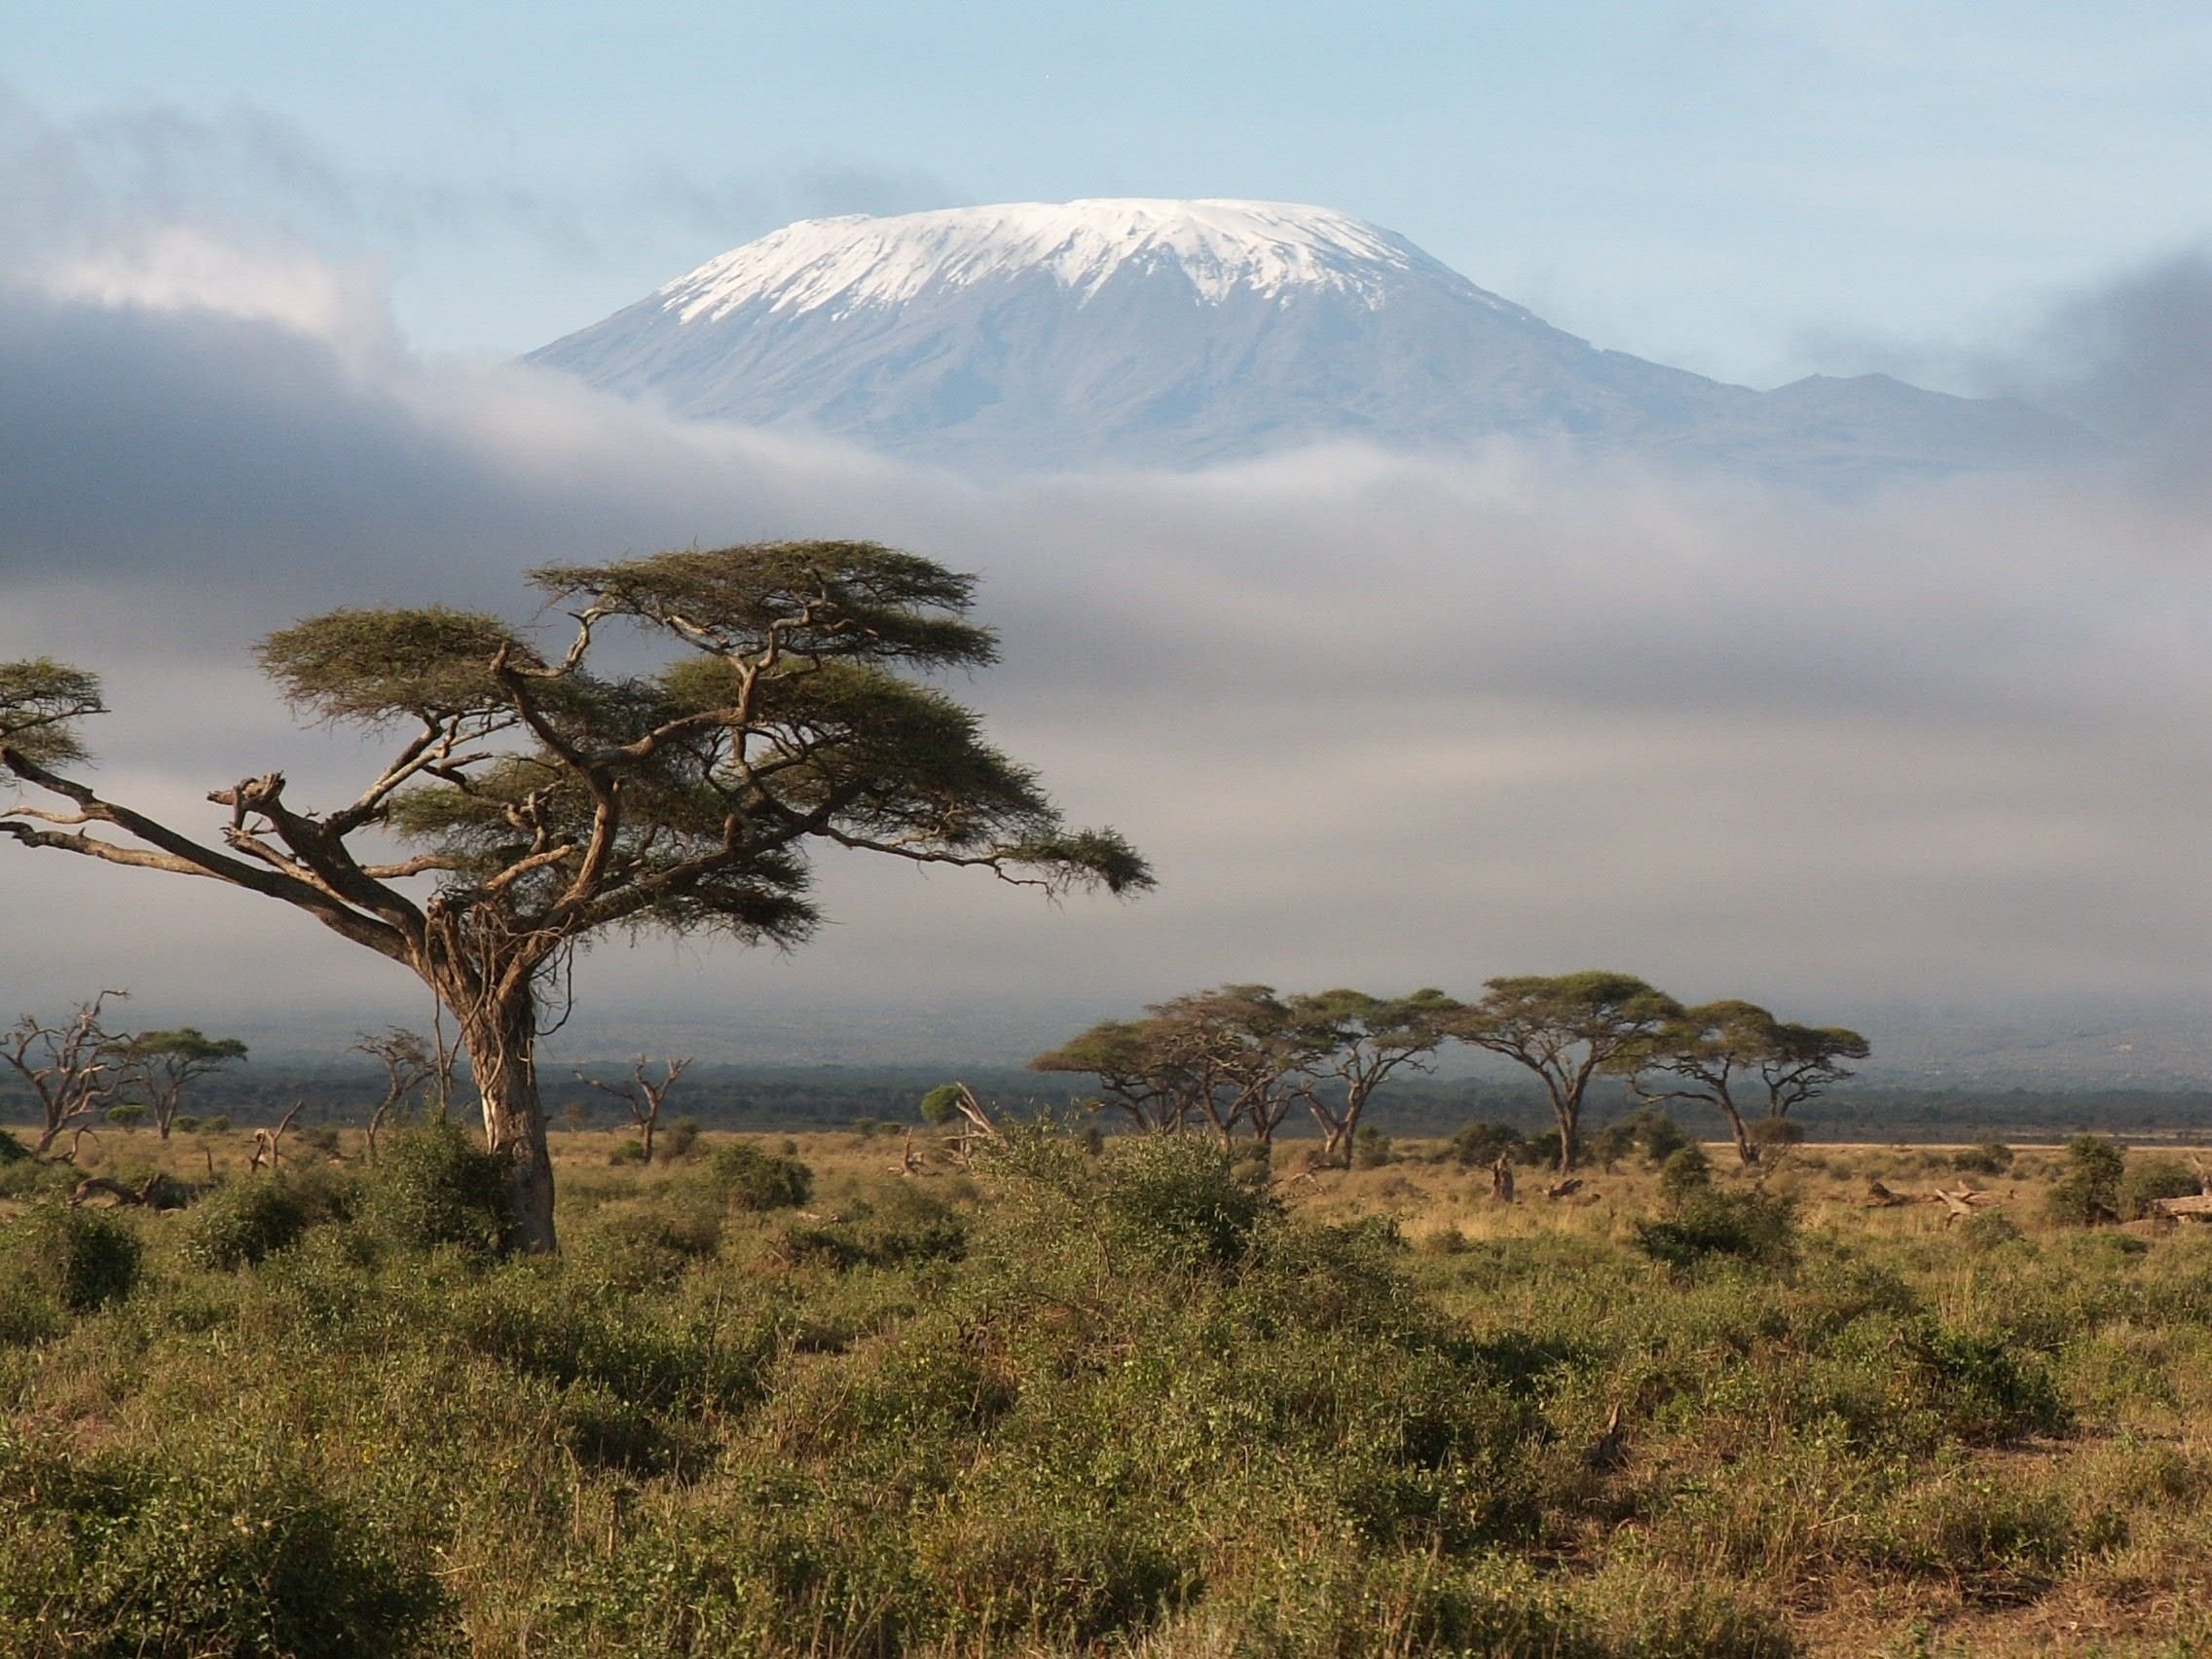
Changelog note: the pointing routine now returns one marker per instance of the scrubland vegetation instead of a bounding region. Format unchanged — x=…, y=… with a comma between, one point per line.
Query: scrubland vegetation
x=1135, y=1395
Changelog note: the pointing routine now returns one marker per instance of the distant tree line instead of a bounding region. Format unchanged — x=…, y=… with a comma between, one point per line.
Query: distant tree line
x=1239, y=1059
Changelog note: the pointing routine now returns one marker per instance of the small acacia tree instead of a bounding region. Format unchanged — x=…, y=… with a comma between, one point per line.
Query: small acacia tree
x=161, y=1065
x=547, y=802
x=1804, y=1061
x=1234, y=1057
x=1702, y=1057
x=1131, y=1071
x=1567, y=1028
x=1357, y=1041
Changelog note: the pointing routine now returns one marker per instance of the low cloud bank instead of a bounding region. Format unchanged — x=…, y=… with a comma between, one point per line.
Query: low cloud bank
x=1377, y=720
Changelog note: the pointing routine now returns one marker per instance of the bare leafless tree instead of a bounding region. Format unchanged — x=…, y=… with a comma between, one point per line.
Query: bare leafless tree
x=642, y=1096
x=408, y=1064
x=72, y=1067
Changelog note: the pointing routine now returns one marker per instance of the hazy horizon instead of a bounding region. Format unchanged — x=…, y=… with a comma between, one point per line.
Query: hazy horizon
x=1933, y=754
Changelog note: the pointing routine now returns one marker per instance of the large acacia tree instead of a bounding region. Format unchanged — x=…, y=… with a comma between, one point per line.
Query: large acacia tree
x=541, y=801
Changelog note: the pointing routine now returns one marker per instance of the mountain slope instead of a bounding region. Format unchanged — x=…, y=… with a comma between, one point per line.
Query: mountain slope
x=1178, y=333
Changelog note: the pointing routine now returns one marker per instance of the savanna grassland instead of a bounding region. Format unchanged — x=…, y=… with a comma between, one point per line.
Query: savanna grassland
x=1135, y=1397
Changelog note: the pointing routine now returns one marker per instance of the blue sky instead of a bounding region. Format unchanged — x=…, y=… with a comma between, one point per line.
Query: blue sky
x=1754, y=189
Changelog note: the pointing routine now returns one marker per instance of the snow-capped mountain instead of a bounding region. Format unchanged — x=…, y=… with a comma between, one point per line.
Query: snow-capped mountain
x=1177, y=333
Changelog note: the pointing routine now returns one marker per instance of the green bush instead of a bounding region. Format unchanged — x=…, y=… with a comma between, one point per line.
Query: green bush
x=433, y=1185
x=1775, y=1134
x=750, y=1179
x=678, y=1140
x=84, y=1259
x=11, y=1150
x=2149, y=1179
x=242, y=1221
x=1483, y=1144
x=1685, y=1170
x=2086, y=1193
x=1183, y=1202
x=1658, y=1135
x=901, y=1225
x=626, y=1152
x=1983, y=1158
x=1371, y=1149
x=118, y=1557
x=1704, y=1222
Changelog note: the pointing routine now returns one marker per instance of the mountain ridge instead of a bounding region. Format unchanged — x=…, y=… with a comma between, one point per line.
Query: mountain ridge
x=1180, y=333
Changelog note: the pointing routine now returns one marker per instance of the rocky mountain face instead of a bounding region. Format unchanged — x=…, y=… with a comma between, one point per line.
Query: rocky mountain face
x=1177, y=334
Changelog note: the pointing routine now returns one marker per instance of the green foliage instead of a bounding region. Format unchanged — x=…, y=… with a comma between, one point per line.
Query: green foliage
x=1371, y=1149
x=120, y=1556
x=678, y=1140
x=2086, y=1193
x=126, y=1116
x=897, y=1228
x=939, y=1106
x=243, y=1221
x=1704, y=1222
x=1656, y=1135
x=2149, y=1179
x=631, y=1150
x=1480, y=1144
x=82, y=1259
x=11, y=1150
x=1182, y=1202
x=1772, y=1134
x=1686, y=1169
x=42, y=703
x=433, y=1185
x=750, y=1179
x=375, y=666
x=1983, y=1158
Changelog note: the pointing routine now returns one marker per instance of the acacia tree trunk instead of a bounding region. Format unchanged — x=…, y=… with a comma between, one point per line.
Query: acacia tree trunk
x=1746, y=1148
x=1566, y=1108
x=501, y=1041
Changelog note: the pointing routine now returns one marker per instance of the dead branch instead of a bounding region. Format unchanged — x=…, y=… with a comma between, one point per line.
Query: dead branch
x=267, y=1141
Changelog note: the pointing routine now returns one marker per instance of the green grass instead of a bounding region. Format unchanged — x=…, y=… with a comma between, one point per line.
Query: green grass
x=1147, y=1401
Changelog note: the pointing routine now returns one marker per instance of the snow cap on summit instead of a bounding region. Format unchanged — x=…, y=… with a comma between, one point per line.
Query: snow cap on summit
x=1221, y=246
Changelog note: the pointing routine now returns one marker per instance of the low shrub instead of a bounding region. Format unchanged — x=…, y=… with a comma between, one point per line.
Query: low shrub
x=242, y=1221
x=1685, y=1170
x=82, y=1259
x=2086, y=1193
x=901, y=1225
x=435, y=1186
x=1983, y=1158
x=750, y=1179
x=1483, y=1144
x=1704, y=1222
x=131, y=1557
x=2150, y=1179
x=678, y=1140
x=1371, y=1149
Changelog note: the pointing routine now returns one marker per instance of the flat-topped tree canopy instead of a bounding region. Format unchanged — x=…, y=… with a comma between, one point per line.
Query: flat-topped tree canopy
x=544, y=801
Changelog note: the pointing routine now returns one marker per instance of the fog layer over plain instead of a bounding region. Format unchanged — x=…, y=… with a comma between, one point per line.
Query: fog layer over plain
x=1377, y=720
